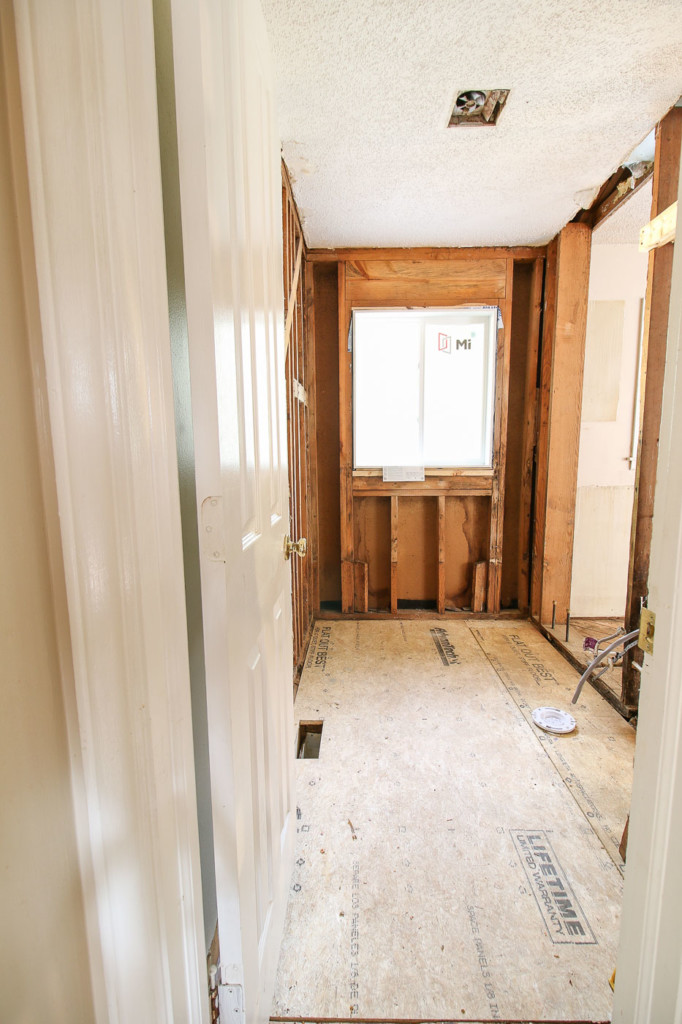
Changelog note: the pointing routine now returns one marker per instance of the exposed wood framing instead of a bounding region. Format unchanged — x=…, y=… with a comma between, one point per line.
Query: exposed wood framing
x=415, y=614
x=361, y=580
x=479, y=586
x=426, y=283
x=346, y=451
x=291, y=304
x=372, y=485
x=561, y=399
x=500, y=445
x=586, y=216
x=666, y=176
x=617, y=198
x=540, y=504
x=529, y=434
x=440, y=601
x=616, y=190
x=301, y=436
x=518, y=253
x=659, y=231
x=313, y=525
x=392, y=278
x=394, y=554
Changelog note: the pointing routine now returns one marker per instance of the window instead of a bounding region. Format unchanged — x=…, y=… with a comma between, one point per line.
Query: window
x=423, y=387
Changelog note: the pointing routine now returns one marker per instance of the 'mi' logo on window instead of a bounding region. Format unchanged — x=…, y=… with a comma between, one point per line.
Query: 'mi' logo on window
x=445, y=343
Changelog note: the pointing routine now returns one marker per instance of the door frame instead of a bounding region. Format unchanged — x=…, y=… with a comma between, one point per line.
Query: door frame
x=210, y=54
x=116, y=484
x=649, y=974
x=87, y=78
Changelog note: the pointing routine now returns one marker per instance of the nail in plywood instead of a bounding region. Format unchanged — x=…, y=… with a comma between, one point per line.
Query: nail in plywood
x=478, y=586
x=666, y=176
x=410, y=868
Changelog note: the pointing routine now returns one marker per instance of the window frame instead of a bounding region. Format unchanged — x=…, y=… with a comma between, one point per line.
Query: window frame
x=438, y=313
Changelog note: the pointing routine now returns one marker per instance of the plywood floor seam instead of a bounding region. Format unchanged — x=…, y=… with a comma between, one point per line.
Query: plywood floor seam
x=452, y=862
x=606, y=832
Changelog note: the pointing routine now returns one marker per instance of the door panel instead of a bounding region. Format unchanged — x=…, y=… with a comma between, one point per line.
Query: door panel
x=229, y=182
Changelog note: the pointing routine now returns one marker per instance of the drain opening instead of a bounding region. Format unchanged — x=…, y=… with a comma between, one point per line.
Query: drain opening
x=309, y=739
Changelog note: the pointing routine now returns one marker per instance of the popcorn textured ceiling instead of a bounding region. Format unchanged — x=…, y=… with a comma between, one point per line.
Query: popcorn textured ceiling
x=366, y=87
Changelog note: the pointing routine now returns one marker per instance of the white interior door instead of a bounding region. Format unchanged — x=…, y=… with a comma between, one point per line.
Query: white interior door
x=231, y=216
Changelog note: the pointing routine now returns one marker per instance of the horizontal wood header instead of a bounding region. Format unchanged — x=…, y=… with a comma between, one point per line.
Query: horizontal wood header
x=426, y=271
x=425, y=282
x=373, y=486
x=521, y=253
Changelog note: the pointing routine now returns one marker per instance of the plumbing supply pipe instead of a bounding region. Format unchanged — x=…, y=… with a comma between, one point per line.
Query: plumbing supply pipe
x=602, y=654
x=612, y=636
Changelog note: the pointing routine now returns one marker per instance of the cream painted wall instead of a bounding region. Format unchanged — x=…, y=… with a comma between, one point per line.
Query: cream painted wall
x=44, y=968
x=605, y=480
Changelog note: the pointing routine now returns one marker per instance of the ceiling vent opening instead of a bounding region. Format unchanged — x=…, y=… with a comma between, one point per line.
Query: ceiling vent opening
x=478, y=107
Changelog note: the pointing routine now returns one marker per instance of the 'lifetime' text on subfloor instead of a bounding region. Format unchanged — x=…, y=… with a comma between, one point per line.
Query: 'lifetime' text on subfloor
x=558, y=904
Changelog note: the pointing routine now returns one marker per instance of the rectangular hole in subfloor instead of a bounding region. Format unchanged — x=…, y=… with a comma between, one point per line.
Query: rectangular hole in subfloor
x=309, y=739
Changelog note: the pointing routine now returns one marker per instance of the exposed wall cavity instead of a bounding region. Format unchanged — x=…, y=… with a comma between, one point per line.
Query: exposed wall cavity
x=606, y=477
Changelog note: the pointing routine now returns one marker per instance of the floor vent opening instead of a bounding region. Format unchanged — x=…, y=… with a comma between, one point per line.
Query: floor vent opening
x=309, y=739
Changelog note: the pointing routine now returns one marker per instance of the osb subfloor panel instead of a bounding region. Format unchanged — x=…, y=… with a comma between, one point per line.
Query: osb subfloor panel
x=453, y=861
x=597, y=628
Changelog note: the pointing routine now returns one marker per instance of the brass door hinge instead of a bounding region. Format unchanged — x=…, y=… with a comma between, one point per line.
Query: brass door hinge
x=295, y=547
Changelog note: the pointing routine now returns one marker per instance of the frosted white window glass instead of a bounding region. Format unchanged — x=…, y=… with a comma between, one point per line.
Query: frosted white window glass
x=387, y=354
x=424, y=387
